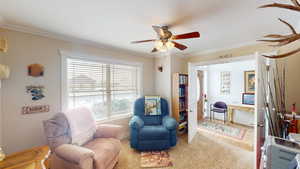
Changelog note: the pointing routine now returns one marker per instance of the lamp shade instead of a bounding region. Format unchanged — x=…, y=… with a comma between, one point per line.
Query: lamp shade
x=4, y=72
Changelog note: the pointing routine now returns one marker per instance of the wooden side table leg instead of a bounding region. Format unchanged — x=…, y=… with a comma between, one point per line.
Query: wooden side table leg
x=230, y=115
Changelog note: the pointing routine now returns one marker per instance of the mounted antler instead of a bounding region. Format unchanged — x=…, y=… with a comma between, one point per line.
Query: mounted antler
x=284, y=39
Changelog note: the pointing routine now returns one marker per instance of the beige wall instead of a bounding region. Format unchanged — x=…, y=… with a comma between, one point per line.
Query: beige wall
x=25, y=131
x=163, y=80
x=292, y=63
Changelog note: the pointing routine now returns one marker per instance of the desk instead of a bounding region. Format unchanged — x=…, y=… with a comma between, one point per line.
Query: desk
x=29, y=159
x=242, y=107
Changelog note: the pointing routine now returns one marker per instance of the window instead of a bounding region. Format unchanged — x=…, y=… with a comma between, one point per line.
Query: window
x=109, y=90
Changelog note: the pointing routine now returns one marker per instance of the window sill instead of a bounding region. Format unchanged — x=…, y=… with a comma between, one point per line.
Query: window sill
x=118, y=117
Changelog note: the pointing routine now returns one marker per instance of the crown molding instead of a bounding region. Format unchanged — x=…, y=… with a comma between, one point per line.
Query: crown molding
x=209, y=51
x=71, y=39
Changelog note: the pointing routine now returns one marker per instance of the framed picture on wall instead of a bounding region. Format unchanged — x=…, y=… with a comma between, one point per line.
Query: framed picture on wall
x=225, y=83
x=248, y=98
x=249, y=81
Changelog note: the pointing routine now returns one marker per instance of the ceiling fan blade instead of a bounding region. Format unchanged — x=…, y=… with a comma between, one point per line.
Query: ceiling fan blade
x=141, y=41
x=187, y=35
x=158, y=30
x=154, y=50
x=179, y=46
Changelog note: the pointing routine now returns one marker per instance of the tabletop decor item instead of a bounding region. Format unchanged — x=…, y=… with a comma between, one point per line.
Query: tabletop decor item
x=248, y=98
x=2, y=155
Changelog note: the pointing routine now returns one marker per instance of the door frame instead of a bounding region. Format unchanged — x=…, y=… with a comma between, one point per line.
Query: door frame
x=194, y=65
x=201, y=86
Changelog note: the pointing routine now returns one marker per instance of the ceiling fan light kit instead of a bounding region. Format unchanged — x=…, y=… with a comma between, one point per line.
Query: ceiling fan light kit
x=159, y=45
x=166, y=39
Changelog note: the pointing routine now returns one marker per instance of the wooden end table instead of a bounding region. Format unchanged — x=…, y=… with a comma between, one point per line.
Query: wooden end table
x=35, y=158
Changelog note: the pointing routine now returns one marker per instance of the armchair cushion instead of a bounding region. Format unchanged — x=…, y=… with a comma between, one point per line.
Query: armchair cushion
x=109, y=131
x=136, y=122
x=169, y=123
x=154, y=133
x=82, y=127
x=57, y=131
x=73, y=153
x=106, y=150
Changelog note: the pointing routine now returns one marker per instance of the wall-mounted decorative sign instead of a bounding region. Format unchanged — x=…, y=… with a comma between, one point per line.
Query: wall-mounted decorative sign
x=225, y=56
x=225, y=83
x=36, y=92
x=35, y=109
x=35, y=70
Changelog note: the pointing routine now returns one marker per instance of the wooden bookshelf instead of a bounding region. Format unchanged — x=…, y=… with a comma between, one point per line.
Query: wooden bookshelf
x=180, y=101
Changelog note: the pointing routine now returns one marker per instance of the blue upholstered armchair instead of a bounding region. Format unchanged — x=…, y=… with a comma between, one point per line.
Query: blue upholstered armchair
x=148, y=132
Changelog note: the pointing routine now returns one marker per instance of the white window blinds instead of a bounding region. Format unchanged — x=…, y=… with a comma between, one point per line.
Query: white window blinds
x=107, y=89
x=124, y=87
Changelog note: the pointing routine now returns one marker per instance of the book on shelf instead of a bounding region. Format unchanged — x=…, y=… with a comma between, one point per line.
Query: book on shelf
x=183, y=79
x=182, y=106
x=181, y=92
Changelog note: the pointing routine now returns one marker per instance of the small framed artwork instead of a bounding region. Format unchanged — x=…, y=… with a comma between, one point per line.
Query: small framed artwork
x=225, y=83
x=249, y=81
x=248, y=98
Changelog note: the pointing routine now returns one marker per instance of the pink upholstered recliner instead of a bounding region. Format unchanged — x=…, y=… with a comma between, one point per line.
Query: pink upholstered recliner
x=77, y=142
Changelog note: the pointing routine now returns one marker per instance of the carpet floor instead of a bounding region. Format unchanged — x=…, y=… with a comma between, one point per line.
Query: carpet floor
x=205, y=152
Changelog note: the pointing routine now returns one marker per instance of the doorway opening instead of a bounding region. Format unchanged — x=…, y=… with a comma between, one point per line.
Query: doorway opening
x=225, y=101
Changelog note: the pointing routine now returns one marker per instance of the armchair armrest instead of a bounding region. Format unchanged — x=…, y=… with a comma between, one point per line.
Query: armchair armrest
x=136, y=122
x=169, y=122
x=74, y=154
x=109, y=131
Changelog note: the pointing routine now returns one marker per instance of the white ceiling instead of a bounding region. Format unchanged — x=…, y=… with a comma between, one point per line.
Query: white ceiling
x=221, y=23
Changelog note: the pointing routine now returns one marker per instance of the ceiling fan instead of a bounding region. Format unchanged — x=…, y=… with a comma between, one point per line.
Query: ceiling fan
x=166, y=39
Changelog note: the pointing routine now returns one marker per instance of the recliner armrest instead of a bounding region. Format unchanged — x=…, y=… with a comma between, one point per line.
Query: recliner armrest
x=169, y=122
x=74, y=154
x=136, y=122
